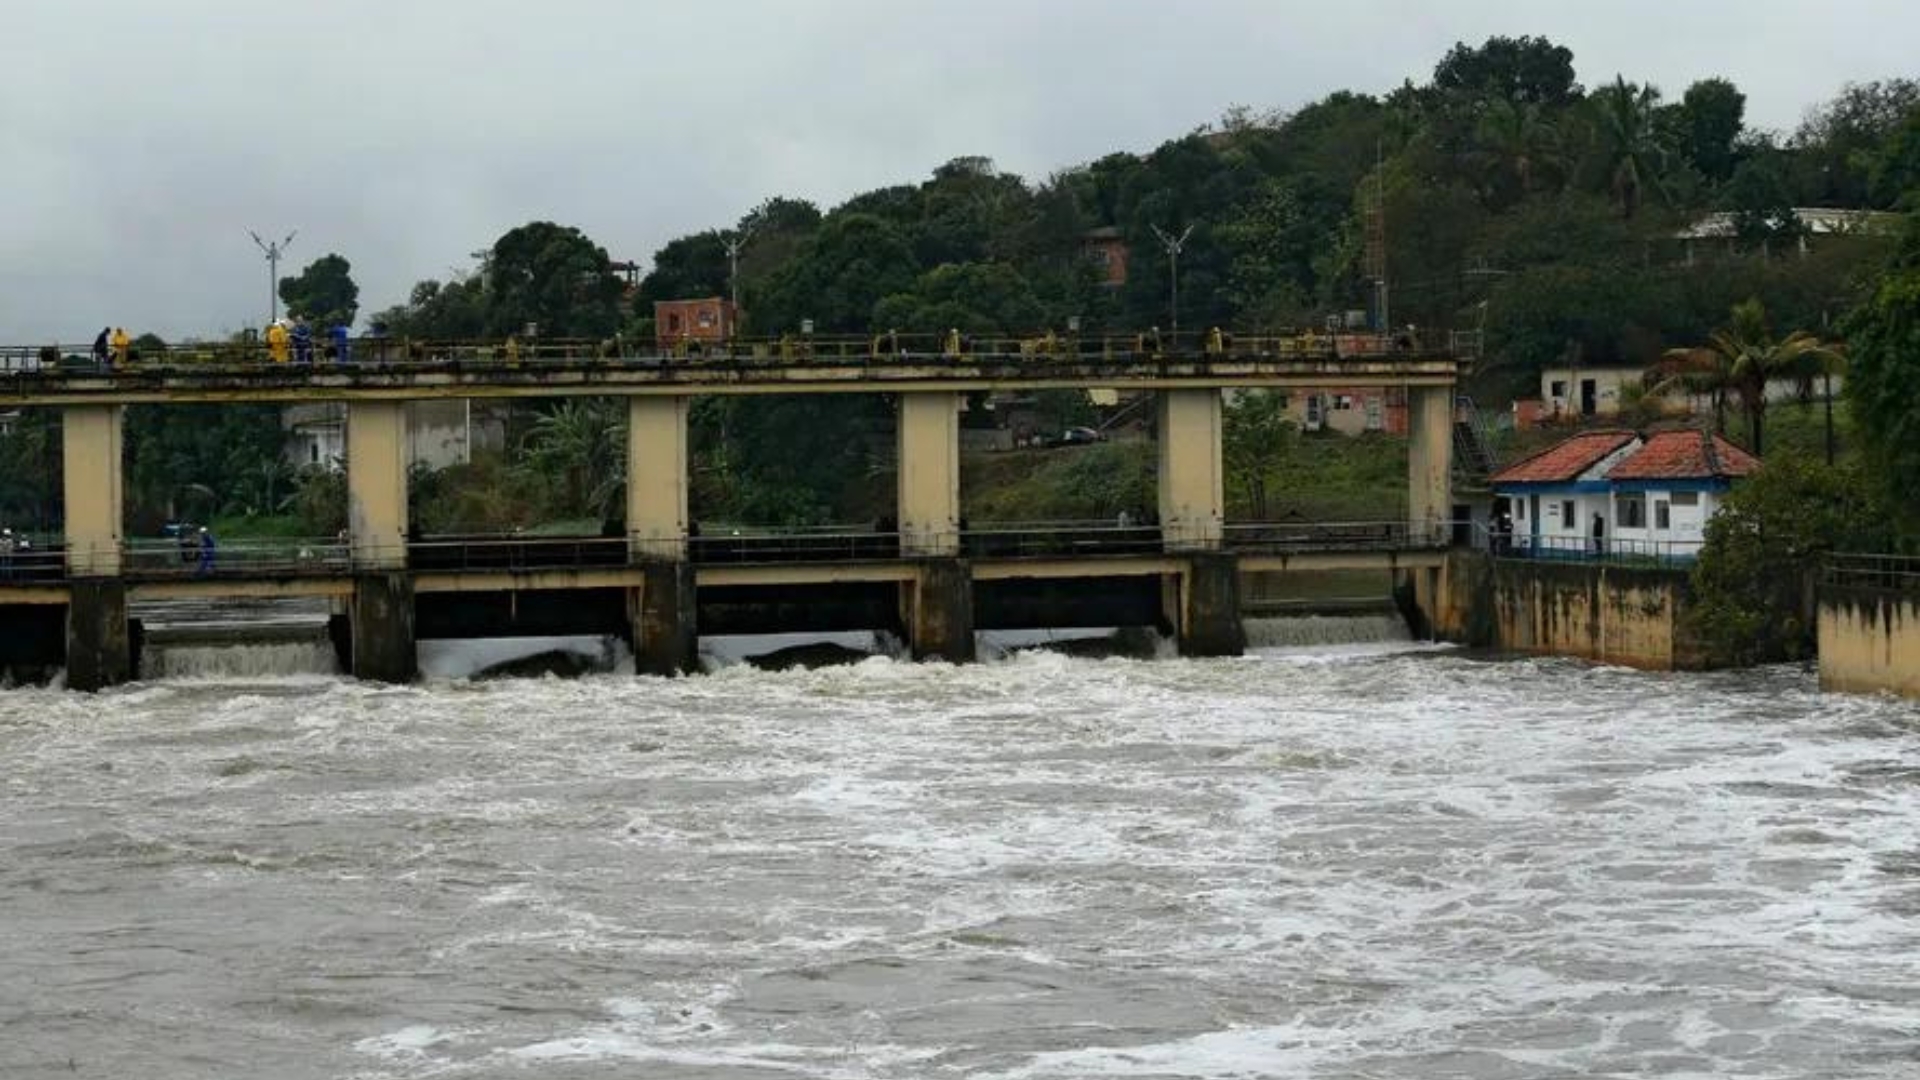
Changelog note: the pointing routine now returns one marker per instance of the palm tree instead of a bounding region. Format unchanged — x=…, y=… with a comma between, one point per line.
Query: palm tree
x=1519, y=145
x=1626, y=122
x=1740, y=359
x=579, y=447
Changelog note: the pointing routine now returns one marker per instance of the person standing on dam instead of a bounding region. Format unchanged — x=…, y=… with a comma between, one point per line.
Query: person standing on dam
x=100, y=348
x=205, y=566
x=277, y=342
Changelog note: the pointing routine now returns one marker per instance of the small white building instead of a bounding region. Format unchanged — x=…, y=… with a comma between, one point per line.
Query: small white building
x=1619, y=493
x=1568, y=392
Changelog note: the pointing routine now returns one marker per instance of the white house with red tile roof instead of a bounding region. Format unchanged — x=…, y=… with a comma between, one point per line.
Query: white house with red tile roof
x=1621, y=492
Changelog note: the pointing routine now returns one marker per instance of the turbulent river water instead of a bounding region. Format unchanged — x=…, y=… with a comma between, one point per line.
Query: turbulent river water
x=1343, y=862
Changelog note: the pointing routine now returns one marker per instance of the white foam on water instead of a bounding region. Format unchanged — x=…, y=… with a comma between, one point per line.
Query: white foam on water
x=1388, y=865
x=262, y=660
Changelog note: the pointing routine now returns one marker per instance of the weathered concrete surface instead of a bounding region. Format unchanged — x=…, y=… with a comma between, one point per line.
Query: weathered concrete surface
x=939, y=612
x=1208, y=621
x=1869, y=641
x=1429, y=456
x=382, y=630
x=99, y=636
x=377, y=483
x=1191, y=474
x=1631, y=616
x=90, y=442
x=666, y=631
x=657, y=477
x=928, y=476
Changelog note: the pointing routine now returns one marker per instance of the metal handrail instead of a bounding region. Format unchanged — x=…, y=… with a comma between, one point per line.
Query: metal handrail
x=63, y=360
x=1873, y=571
x=335, y=556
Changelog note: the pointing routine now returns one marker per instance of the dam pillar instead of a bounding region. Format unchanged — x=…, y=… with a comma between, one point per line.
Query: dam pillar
x=377, y=485
x=929, y=473
x=1205, y=606
x=939, y=611
x=657, y=477
x=1192, y=485
x=99, y=636
x=90, y=439
x=665, y=619
x=381, y=628
x=1429, y=463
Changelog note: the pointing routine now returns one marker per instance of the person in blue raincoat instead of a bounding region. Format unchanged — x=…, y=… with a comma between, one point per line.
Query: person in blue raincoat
x=302, y=342
x=205, y=566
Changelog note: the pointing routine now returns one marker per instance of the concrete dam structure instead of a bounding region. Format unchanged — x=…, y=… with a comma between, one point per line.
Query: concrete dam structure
x=928, y=577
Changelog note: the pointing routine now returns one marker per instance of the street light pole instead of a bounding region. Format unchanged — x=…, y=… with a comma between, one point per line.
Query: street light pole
x=274, y=251
x=733, y=245
x=1173, y=244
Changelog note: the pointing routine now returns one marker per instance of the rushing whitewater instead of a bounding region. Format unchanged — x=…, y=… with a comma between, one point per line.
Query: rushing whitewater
x=1336, y=862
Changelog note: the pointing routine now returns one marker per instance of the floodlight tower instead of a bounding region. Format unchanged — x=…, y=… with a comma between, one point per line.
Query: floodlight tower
x=273, y=251
x=1173, y=244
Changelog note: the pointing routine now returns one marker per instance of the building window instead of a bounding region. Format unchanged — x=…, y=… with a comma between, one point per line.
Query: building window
x=1567, y=516
x=1557, y=388
x=1662, y=516
x=1342, y=402
x=1632, y=511
x=1686, y=498
x=1375, y=417
x=1520, y=509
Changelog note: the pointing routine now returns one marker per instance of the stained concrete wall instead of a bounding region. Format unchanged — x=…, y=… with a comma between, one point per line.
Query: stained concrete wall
x=1869, y=641
x=1631, y=616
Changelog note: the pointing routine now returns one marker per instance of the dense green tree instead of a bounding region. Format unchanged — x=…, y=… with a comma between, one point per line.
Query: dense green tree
x=1760, y=195
x=687, y=268
x=1520, y=70
x=1743, y=357
x=1258, y=437
x=854, y=261
x=1883, y=337
x=578, y=446
x=456, y=310
x=1893, y=170
x=1754, y=581
x=973, y=298
x=324, y=293
x=1712, y=115
x=1520, y=151
x=196, y=459
x=553, y=277
x=1631, y=147
x=1835, y=146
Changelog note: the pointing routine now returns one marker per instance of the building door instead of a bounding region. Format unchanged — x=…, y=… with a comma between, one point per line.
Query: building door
x=1589, y=394
x=1533, y=520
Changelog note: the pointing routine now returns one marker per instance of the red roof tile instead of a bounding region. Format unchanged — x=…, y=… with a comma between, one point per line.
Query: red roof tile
x=1684, y=455
x=1565, y=460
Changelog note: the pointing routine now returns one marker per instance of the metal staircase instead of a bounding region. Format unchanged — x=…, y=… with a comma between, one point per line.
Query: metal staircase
x=1473, y=459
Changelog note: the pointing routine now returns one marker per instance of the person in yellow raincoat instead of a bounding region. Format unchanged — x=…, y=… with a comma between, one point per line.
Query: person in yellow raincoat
x=121, y=345
x=277, y=342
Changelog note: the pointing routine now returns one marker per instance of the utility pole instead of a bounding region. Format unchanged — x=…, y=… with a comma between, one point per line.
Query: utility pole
x=1173, y=244
x=274, y=251
x=733, y=245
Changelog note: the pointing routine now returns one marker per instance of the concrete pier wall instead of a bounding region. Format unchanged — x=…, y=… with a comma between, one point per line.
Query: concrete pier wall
x=1869, y=641
x=1632, y=616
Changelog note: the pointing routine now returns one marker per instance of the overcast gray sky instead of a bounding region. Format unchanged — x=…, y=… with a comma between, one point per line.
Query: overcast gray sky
x=141, y=139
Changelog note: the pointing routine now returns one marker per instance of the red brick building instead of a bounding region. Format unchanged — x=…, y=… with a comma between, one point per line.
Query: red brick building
x=1105, y=248
x=708, y=320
